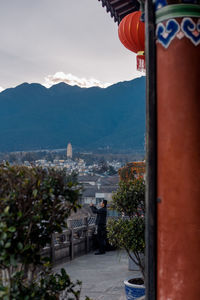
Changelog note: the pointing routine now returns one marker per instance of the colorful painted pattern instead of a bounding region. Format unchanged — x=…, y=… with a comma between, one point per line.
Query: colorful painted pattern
x=166, y=33
x=191, y=30
x=160, y=3
x=172, y=29
x=133, y=293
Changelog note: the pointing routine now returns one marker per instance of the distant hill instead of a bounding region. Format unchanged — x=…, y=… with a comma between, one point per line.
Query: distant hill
x=34, y=117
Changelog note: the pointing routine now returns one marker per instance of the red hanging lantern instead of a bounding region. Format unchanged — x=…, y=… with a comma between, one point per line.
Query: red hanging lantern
x=131, y=33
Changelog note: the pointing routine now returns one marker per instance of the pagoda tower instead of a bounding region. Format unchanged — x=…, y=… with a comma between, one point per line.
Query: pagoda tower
x=69, y=150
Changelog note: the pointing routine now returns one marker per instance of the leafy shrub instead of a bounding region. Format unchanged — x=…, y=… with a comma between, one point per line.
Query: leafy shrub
x=34, y=203
x=128, y=232
x=129, y=199
x=48, y=286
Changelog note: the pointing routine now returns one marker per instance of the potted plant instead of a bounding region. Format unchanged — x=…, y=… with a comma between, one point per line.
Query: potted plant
x=128, y=231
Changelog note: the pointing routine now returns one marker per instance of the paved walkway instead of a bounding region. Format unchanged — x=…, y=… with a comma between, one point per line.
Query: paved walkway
x=102, y=276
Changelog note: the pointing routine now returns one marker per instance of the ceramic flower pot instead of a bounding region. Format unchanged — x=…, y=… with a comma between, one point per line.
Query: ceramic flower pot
x=133, y=291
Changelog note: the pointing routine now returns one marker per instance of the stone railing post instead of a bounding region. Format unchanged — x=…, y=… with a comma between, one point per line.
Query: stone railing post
x=71, y=239
x=52, y=248
x=87, y=241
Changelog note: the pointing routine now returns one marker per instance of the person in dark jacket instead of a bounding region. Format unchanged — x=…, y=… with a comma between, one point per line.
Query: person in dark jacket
x=101, y=225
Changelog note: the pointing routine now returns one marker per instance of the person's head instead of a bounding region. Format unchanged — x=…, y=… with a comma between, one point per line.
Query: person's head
x=104, y=203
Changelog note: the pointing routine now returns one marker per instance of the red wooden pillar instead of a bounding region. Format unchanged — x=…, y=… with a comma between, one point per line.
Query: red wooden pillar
x=178, y=151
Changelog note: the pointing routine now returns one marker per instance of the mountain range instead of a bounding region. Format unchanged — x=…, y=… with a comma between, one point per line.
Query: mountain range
x=34, y=117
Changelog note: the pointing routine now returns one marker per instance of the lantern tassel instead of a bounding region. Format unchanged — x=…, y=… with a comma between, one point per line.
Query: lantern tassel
x=141, y=61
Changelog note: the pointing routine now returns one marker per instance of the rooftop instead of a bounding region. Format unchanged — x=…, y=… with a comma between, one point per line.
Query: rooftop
x=120, y=8
x=90, y=191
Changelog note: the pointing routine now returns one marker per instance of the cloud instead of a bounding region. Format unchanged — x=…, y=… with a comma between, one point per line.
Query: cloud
x=1, y=89
x=73, y=80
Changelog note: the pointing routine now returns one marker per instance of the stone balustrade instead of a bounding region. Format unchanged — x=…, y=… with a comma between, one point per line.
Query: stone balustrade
x=76, y=240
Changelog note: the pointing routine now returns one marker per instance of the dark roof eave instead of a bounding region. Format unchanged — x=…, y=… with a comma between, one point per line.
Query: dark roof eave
x=120, y=8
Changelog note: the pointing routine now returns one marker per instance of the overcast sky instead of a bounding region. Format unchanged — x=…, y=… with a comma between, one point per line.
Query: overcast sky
x=39, y=38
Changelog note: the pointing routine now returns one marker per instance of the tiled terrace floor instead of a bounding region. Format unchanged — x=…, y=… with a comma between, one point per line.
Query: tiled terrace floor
x=102, y=276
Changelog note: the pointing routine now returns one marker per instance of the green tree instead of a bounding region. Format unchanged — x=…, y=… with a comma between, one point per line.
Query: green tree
x=128, y=232
x=34, y=203
x=129, y=198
